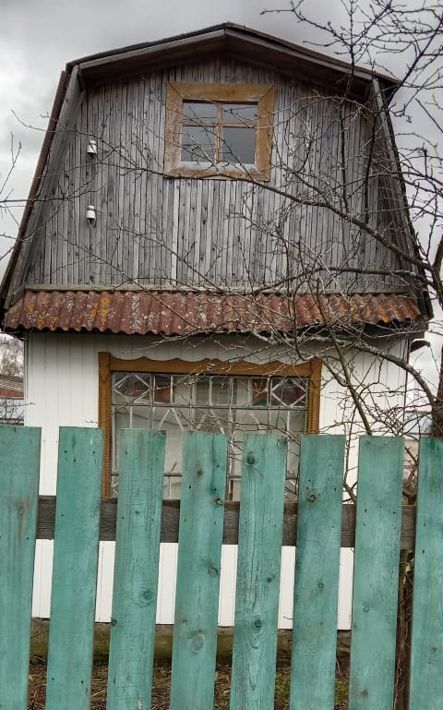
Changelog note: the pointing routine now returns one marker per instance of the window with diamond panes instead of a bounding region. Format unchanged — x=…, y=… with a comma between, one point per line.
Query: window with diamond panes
x=229, y=405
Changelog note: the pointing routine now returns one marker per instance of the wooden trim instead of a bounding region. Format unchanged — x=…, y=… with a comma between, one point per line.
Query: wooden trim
x=209, y=366
x=238, y=42
x=177, y=92
x=109, y=364
x=58, y=133
x=264, y=133
x=173, y=114
x=203, y=91
x=35, y=186
x=313, y=417
x=171, y=515
x=105, y=416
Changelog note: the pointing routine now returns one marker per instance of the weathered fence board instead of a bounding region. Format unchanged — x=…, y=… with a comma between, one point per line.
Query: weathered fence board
x=19, y=478
x=258, y=572
x=74, y=578
x=426, y=691
x=136, y=570
x=198, y=572
x=376, y=569
x=317, y=572
x=260, y=525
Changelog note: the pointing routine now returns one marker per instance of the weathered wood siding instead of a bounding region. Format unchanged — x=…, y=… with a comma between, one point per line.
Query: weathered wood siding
x=207, y=233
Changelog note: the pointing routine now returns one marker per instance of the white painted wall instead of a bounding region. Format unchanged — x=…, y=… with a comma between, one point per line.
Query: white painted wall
x=61, y=389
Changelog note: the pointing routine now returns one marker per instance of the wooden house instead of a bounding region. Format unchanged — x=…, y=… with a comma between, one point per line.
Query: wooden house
x=205, y=209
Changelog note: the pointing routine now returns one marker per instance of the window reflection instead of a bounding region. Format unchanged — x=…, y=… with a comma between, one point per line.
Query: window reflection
x=230, y=405
x=215, y=132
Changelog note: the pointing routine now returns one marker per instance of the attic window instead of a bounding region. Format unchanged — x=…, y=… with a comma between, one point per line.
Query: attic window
x=219, y=133
x=218, y=129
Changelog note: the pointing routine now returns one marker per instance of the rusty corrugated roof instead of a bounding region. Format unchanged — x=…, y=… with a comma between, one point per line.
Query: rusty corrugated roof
x=186, y=313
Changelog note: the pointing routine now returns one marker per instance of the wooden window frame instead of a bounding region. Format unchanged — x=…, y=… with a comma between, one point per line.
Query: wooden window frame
x=108, y=364
x=261, y=94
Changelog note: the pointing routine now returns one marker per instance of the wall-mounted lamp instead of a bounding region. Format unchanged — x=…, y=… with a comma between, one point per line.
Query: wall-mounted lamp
x=91, y=215
x=92, y=148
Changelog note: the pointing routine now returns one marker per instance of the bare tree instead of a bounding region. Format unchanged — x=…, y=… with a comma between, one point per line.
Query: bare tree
x=409, y=37
x=363, y=203
x=6, y=191
x=11, y=356
x=11, y=380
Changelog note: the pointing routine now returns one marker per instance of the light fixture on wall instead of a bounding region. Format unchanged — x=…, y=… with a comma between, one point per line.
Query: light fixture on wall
x=91, y=215
x=92, y=148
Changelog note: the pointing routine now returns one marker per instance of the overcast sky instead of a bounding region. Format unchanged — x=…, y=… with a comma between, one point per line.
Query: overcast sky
x=38, y=37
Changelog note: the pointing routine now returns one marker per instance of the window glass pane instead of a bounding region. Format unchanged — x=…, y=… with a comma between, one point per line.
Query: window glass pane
x=238, y=145
x=128, y=387
x=162, y=389
x=174, y=427
x=211, y=420
x=198, y=144
x=201, y=390
x=220, y=390
x=241, y=392
x=182, y=390
x=199, y=112
x=288, y=392
x=250, y=420
x=243, y=114
x=259, y=392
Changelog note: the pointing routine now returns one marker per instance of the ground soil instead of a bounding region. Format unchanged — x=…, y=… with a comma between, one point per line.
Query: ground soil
x=161, y=686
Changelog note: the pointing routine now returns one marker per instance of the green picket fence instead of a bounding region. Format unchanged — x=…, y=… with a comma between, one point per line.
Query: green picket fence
x=262, y=525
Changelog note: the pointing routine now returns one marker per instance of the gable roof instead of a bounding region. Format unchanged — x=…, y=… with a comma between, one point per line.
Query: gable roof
x=239, y=42
x=236, y=40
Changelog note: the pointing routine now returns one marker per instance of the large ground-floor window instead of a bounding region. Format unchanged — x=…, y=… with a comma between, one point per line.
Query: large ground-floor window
x=230, y=399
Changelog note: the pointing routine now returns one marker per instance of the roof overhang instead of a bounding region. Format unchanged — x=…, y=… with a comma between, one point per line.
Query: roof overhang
x=186, y=313
x=237, y=41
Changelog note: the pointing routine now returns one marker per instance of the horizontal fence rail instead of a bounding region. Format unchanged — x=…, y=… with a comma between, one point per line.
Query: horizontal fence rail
x=378, y=527
x=171, y=517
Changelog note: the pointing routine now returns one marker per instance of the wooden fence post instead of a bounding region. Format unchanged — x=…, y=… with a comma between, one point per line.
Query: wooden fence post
x=137, y=550
x=317, y=566
x=426, y=689
x=74, y=577
x=19, y=477
x=198, y=571
x=377, y=556
x=258, y=572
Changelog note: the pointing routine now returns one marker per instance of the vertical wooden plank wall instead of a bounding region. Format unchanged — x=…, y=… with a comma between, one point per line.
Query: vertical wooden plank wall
x=317, y=572
x=159, y=230
x=426, y=691
x=377, y=556
x=198, y=573
x=258, y=572
x=136, y=569
x=19, y=478
x=74, y=579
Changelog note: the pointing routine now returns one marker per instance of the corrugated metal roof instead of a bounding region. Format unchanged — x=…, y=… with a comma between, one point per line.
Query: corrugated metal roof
x=186, y=313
